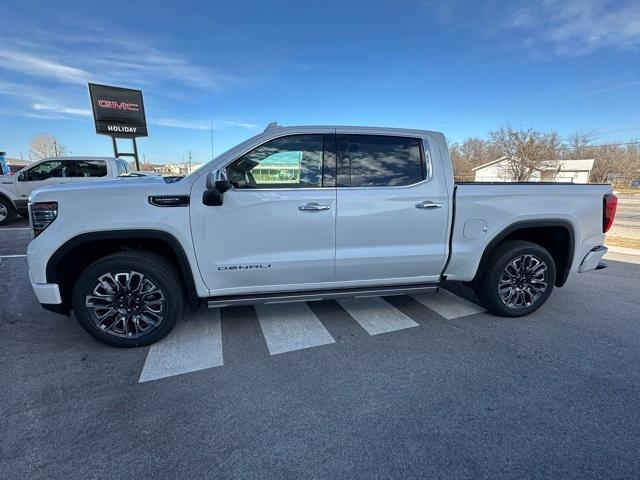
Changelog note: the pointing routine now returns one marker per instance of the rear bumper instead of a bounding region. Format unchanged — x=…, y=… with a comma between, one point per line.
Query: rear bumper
x=592, y=260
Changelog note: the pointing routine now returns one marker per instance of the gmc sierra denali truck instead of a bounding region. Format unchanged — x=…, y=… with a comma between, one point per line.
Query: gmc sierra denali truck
x=301, y=214
x=15, y=189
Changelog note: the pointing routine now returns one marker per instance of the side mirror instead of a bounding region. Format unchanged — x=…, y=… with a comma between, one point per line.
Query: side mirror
x=21, y=177
x=218, y=179
x=217, y=184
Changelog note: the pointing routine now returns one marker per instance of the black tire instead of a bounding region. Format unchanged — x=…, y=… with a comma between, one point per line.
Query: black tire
x=157, y=270
x=10, y=216
x=487, y=286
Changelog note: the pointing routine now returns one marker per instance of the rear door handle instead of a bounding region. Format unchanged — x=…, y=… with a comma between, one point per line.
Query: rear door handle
x=428, y=204
x=313, y=207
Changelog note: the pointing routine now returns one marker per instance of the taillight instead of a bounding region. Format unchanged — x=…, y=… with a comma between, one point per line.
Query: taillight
x=610, y=202
x=42, y=215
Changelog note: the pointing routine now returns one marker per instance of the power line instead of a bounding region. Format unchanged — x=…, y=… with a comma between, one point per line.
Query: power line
x=611, y=145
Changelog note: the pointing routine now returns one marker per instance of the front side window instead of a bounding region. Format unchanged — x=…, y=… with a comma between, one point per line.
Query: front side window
x=90, y=168
x=287, y=162
x=48, y=169
x=379, y=161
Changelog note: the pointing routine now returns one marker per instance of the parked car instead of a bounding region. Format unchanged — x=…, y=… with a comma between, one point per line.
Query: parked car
x=15, y=189
x=364, y=212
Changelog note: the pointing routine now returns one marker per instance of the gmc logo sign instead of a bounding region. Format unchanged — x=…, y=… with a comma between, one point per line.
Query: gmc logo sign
x=131, y=107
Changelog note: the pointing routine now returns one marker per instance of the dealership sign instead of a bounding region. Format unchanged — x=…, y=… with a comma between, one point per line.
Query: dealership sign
x=117, y=111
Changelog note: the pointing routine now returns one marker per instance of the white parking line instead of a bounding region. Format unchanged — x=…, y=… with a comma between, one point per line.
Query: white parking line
x=291, y=326
x=14, y=228
x=194, y=344
x=447, y=304
x=13, y=256
x=376, y=315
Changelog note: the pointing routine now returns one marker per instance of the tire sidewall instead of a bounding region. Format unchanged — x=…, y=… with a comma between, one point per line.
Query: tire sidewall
x=490, y=283
x=161, y=278
x=11, y=213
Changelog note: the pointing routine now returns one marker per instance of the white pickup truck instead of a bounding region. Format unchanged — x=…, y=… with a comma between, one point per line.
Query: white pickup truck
x=300, y=214
x=15, y=189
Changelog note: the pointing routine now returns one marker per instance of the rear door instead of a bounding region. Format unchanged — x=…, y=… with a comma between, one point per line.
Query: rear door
x=392, y=217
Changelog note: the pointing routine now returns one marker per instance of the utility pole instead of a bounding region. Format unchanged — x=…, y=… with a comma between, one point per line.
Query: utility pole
x=55, y=147
x=189, y=161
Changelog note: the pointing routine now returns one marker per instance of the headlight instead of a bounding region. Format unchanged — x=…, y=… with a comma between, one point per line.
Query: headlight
x=42, y=215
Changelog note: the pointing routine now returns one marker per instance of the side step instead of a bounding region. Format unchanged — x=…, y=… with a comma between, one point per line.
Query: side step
x=315, y=295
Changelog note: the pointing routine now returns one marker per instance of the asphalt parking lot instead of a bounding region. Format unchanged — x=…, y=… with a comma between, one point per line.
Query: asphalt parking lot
x=402, y=387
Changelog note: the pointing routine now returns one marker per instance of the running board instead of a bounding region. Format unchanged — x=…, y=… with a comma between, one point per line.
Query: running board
x=316, y=295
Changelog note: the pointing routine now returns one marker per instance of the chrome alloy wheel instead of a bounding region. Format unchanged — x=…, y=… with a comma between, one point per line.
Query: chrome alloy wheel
x=126, y=304
x=523, y=281
x=3, y=212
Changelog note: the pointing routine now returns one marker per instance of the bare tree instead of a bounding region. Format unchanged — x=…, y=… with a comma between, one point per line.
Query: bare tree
x=469, y=154
x=526, y=150
x=45, y=145
x=578, y=143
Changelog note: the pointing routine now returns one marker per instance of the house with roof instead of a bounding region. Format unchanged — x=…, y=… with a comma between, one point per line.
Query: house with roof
x=570, y=171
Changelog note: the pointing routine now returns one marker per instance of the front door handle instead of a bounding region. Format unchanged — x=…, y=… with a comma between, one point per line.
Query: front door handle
x=313, y=207
x=428, y=204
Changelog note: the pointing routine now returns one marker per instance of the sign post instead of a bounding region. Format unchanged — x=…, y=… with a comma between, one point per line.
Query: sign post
x=119, y=113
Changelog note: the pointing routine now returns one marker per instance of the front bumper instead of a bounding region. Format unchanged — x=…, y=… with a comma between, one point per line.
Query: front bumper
x=47, y=293
x=592, y=260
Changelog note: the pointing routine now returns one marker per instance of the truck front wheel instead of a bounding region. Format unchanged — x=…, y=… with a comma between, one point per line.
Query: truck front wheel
x=518, y=279
x=7, y=213
x=128, y=299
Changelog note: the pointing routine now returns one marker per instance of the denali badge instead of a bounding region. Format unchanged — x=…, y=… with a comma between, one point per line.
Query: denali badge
x=245, y=267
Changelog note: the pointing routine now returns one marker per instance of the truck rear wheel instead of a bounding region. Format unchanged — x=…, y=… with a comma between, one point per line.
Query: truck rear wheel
x=518, y=279
x=128, y=299
x=7, y=213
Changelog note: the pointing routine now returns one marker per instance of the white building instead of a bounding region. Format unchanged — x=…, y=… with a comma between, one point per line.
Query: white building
x=572, y=171
x=176, y=168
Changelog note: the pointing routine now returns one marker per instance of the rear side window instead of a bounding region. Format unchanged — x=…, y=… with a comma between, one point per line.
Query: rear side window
x=379, y=161
x=122, y=166
x=89, y=168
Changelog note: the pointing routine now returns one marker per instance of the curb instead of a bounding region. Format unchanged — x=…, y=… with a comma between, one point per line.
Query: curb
x=624, y=250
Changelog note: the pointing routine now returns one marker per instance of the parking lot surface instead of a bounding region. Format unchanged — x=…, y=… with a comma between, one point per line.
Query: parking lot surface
x=424, y=386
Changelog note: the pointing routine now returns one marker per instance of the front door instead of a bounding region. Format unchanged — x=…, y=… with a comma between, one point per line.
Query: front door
x=276, y=228
x=49, y=172
x=393, y=209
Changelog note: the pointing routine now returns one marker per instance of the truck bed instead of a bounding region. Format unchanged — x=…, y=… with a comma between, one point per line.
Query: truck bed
x=482, y=211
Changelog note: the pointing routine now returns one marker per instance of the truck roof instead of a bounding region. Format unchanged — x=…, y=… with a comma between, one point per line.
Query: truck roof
x=77, y=158
x=273, y=126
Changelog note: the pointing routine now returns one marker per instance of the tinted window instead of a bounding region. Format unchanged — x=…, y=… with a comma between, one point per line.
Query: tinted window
x=49, y=169
x=287, y=162
x=122, y=166
x=90, y=168
x=379, y=161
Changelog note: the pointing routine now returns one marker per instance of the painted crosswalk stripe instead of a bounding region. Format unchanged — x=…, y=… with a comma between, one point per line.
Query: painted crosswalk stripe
x=291, y=326
x=194, y=344
x=376, y=315
x=447, y=304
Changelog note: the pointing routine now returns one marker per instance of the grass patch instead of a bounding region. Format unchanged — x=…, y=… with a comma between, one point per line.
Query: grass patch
x=622, y=242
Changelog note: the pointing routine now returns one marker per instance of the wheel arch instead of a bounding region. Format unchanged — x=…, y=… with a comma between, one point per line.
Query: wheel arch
x=76, y=254
x=557, y=236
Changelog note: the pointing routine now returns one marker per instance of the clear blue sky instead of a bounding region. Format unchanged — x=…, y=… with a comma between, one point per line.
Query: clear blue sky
x=462, y=68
